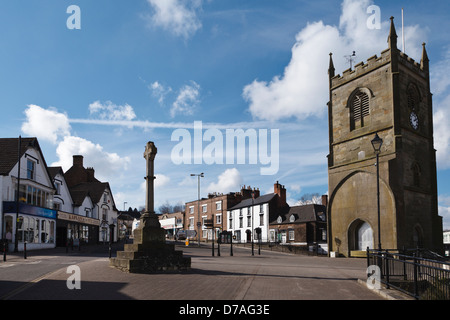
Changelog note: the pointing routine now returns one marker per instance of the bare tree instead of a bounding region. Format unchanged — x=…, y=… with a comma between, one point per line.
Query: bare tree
x=309, y=198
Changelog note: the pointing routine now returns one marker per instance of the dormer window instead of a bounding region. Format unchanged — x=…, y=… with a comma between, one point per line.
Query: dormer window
x=292, y=218
x=279, y=219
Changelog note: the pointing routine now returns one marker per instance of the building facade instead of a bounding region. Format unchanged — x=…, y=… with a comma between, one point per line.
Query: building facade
x=27, y=190
x=210, y=213
x=388, y=96
x=250, y=218
x=301, y=225
x=93, y=199
x=172, y=223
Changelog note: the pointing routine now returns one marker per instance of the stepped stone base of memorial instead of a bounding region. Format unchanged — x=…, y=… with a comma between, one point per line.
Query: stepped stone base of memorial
x=150, y=254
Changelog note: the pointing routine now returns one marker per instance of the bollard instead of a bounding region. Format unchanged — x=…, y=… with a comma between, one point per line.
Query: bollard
x=4, y=250
x=218, y=248
x=231, y=248
x=25, y=250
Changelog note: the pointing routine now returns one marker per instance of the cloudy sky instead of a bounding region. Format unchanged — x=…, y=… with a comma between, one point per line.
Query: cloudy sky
x=104, y=77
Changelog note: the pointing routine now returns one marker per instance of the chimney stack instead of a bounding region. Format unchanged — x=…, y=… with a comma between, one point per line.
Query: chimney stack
x=90, y=172
x=325, y=200
x=281, y=192
x=78, y=161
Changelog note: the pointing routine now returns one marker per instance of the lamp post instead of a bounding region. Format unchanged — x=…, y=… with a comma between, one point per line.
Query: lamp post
x=200, y=175
x=377, y=142
x=253, y=200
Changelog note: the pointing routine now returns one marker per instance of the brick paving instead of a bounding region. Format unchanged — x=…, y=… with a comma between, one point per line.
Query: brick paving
x=271, y=276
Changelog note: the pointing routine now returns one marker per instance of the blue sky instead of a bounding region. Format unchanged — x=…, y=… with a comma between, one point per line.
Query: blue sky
x=139, y=70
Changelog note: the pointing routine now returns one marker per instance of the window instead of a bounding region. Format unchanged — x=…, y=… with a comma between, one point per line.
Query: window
x=191, y=223
x=291, y=235
x=31, y=170
x=191, y=209
x=359, y=109
x=413, y=97
x=249, y=221
x=218, y=218
x=204, y=208
x=416, y=175
x=58, y=187
x=241, y=223
x=219, y=205
x=104, y=214
x=261, y=219
x=292, y=218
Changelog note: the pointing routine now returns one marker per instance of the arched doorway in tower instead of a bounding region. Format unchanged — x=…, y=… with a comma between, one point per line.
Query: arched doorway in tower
x=418, y=237
x=365, y=237
x=360, y=235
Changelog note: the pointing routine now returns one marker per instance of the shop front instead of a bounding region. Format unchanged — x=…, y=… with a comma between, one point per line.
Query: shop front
x=35, y=226
x=73, y=229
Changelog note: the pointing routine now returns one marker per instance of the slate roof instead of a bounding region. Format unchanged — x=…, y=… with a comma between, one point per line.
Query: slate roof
x=9, y=152
x=54, y=171
x=92, y=189
x=248, y=202
x=304, y=213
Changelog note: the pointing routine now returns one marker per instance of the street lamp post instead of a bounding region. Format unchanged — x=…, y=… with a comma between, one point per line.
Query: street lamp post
x=377, y=142
x=201, y=175
x=253, y=200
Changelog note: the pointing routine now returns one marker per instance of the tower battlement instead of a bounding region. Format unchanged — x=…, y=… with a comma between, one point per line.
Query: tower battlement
x=360, y=69
x=390, y=55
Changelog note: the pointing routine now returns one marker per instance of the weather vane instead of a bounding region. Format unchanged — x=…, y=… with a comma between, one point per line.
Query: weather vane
x=351, y=58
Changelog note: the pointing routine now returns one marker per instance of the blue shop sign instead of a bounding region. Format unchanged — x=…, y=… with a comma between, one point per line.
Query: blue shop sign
x=11, y=207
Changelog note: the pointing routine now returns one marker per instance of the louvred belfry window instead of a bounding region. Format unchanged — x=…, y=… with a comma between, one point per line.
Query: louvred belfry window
x=359, y=110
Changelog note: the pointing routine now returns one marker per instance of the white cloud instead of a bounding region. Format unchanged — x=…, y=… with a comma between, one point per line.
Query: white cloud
x=159, y=91
x=442, y=135
x=230, y=180
x=187, y=100
x=161, y=180
x=444, y=212
x=111, y=111
x=440, y=83
x=177, y=16
x=302, y=90
x=106, y=164
x=53, y=126
x=45, y=124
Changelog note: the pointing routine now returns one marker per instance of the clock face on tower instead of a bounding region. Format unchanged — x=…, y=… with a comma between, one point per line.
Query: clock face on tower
x=414, y=120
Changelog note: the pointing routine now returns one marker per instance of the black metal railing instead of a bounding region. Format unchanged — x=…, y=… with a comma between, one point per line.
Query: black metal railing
x=411, y=273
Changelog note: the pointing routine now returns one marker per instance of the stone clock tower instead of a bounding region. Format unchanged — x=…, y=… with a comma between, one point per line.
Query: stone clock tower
x=389, y=96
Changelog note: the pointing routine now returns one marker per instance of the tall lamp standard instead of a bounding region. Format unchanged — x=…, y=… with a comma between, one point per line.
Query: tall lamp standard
x=253, y=200
x=200, y=175
x=377, y=142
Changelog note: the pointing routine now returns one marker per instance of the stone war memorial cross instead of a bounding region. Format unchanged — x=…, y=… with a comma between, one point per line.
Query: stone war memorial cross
x=149, y=252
